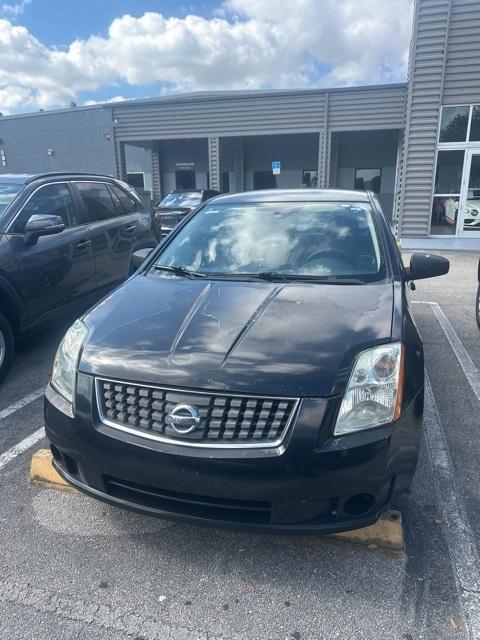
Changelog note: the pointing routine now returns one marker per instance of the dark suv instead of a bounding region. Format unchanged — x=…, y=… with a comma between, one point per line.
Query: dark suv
x=65, y=240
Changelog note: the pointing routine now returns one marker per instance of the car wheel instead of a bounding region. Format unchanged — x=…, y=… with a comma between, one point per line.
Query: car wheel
x=7, y=346
x=477, y=306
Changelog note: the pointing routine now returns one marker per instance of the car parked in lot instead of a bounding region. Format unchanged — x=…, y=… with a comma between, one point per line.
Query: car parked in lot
x=65, y=241
x=261, y=368
x=177, y=204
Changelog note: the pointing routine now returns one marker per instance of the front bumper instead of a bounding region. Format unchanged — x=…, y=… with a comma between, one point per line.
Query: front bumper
x=305, y=485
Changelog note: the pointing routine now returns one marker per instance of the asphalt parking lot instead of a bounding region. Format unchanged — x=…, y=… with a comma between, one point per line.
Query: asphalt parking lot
x=71, y=567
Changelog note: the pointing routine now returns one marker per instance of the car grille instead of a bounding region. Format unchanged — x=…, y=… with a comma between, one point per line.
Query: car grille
x=225, y=420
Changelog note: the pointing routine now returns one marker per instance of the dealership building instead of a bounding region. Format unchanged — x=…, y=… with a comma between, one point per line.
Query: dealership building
x=416, y=144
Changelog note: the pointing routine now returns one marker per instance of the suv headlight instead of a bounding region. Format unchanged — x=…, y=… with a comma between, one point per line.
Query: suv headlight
x=374, y=392
x=66, y=360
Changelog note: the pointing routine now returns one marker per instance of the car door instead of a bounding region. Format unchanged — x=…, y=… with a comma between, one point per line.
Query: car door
x=114, y=231
x=56, y=271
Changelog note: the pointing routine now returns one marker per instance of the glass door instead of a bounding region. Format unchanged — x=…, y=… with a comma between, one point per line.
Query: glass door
x=469, y=208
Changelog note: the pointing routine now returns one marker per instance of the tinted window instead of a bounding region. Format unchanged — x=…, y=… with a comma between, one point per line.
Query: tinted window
x=318, y=239
x=52, y=199
x=128, y=204
x=97, y=201
x=116, y=201
x=448, y=177
x=475, y=124
x=368, y=179
x=453, y=124
x=8, y=190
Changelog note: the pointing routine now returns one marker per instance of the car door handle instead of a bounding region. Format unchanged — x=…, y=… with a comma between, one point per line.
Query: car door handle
x=83, y=244
x=131, y=228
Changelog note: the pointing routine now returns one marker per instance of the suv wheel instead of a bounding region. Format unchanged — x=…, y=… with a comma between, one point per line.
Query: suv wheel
x=7, y=346
x=477, y=306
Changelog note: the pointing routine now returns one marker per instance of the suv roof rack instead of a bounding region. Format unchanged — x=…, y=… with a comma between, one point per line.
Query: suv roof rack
x=55, y=174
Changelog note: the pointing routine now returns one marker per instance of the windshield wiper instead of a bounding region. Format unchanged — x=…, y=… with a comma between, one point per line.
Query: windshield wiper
x=271, y=276
x=179, y=271
x=274, y=276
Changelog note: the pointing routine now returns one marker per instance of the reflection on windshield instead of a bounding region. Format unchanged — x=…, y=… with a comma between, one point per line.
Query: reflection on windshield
x=8, y=191
x=303, y=239
x=190, y=199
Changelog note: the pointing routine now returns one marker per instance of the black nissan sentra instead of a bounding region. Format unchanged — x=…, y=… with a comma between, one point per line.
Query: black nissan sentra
x=261, y=368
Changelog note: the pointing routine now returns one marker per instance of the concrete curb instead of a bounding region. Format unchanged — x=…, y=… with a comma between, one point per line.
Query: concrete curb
x=387, y=533
x=43, y=472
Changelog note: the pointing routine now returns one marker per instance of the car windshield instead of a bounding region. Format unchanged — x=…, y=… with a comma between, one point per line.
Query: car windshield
x=186, y=199
x=319, y=240
x=8, y=190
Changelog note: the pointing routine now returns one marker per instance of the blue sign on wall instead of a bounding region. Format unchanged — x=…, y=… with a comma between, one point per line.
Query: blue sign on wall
x=276, y=166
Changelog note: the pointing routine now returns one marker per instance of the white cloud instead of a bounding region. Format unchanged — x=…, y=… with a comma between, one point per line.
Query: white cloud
x=248, y=44
x=13, y=10
x=89, y=103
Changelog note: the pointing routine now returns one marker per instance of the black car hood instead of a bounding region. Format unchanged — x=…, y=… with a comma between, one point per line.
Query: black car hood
x=272, y=339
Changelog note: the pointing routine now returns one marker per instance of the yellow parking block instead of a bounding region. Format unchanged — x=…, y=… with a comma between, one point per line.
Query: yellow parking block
x=387, y=533
x=42, y=470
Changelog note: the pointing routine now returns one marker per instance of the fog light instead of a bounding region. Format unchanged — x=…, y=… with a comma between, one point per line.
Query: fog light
x=359, y=504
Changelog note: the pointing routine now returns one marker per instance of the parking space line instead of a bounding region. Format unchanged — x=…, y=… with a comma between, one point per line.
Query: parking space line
x=21, y=403
x=459, y=536
x=469, y=369
x=22, y=446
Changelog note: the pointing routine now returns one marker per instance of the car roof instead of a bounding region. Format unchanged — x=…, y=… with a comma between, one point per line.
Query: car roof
x=27, y=178
x=296, y=195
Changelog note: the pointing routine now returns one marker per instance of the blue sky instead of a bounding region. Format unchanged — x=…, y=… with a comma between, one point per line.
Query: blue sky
x=57, y=22
x=58, y=51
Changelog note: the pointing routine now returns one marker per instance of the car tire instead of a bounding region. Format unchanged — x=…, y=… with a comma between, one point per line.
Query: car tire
x=477, y=306
x=7, y=346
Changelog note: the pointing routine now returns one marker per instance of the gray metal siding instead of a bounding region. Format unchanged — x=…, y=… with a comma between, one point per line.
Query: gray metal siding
x=462, y=70
x=156, y=174
x=423, y=107
x=220, y=117
x=214, y=163
x=79, y=140
x=302, y=112
x=358, y=110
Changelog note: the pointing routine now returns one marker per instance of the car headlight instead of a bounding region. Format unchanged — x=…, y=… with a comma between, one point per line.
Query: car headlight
x=66, y=360
x=374, y=392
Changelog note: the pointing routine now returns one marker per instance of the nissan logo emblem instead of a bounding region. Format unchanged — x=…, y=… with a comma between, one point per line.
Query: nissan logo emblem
x=183, y=418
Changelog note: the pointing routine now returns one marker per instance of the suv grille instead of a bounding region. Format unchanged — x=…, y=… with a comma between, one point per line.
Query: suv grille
x=225, y=421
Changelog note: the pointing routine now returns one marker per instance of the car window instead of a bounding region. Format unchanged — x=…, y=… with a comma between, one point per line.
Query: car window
x=116, y=201
x=127, y=203
x=311, y=239
x=182, y=199
x=51, y=199
x=97, y=200
x=8, y=191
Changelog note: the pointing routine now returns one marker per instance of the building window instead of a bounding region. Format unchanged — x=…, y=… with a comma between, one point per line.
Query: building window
x=454, y=124
x=368, y=179
x=136, y=179
x=448, y=181
x=310, y=178
x=475, y=124
x=448, y=177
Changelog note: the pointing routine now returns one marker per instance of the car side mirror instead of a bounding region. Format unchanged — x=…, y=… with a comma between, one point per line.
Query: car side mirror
x=426, y=265
x=139, y=257
x=42, y=225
